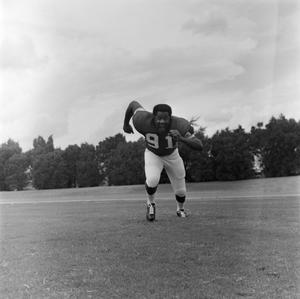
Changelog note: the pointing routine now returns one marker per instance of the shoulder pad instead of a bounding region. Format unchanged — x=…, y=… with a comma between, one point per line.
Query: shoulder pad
x=142, y=120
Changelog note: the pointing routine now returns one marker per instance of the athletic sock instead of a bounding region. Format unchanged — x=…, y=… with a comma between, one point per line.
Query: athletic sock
x=180, y=206
x=150, y=199
x=180, y=200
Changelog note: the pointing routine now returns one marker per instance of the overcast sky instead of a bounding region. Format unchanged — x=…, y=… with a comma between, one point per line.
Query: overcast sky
x=71, y=67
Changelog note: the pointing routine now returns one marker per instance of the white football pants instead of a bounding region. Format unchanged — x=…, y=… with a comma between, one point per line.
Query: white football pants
x=174, y=167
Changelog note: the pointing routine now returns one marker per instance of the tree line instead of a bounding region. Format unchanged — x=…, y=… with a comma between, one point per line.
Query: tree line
x=270, y=150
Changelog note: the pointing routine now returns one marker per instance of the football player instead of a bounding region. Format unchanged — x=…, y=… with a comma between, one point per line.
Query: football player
x=162, y=132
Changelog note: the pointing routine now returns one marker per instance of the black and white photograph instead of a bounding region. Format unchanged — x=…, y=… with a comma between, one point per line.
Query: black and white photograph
x=150, y=149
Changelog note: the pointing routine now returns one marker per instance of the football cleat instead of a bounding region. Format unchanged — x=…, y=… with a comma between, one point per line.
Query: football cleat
x=150, y=212
x=181, y=213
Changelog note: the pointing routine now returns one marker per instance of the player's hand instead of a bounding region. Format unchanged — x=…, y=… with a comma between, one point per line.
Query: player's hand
x=128, y=128
x=175, y=134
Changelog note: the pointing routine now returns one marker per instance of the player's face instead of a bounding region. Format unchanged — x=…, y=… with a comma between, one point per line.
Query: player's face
x=162, y=121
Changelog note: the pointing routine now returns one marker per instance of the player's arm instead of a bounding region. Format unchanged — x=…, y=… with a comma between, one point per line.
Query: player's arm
x=189, y=139
x=132, y=107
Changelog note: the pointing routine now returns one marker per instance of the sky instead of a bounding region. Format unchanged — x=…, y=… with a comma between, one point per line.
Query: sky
x=69, y=68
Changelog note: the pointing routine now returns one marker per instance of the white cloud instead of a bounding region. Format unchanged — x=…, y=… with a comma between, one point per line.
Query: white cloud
x=70, y=68
x=18, y=53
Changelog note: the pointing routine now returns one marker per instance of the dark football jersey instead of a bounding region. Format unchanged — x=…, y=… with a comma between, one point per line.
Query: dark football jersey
x=159, y=144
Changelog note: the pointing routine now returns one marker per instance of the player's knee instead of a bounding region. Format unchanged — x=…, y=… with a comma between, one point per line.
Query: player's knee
x=180, y=199
x=152, y=181
x=180, y=195
x=180, y=192
x=150, y=190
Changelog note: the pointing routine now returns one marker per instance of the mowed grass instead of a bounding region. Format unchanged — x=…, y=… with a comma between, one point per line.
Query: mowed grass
x=247, y=246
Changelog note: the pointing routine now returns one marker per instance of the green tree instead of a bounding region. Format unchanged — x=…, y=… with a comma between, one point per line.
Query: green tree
x=202, y=164
x=198, y=165
x=104, y=151
x=15, y=172
x=71, y=156
x=87, y=167
x=278, y=144
x=257, y=136
x=49, y=170
x=40, y=146
x=13, y=164
x=231, y=151
x=125, y=165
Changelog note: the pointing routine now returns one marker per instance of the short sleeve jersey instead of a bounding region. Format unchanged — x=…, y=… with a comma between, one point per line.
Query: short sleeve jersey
x=159, y=144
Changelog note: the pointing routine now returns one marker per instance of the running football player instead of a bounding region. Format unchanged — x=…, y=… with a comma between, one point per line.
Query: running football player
x=162, y=132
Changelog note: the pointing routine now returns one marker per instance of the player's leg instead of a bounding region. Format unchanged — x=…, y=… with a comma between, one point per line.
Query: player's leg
x=176, y=173
x=153, y=169
x=179, y=188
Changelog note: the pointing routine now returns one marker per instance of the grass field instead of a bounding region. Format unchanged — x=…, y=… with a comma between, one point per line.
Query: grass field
x=242, y=240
